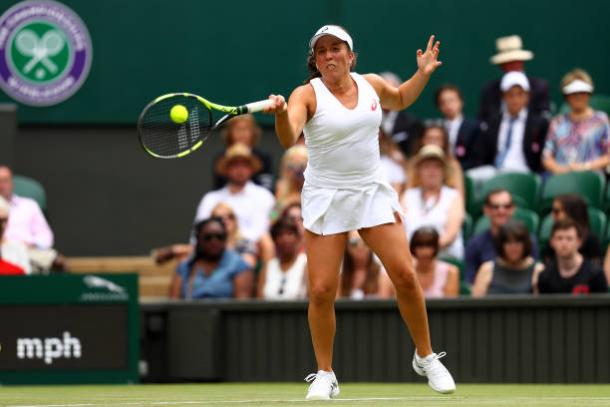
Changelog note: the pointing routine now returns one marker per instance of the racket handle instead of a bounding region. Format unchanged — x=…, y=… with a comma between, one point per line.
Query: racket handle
x=257, y=106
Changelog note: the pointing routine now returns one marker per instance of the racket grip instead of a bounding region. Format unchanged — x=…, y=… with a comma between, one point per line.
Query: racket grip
x=257, y=106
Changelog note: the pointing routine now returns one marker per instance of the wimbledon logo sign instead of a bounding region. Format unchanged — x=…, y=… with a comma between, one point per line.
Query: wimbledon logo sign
x=45, y=52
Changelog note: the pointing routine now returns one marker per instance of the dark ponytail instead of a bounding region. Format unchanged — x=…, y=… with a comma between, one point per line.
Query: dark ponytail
x=312, y=69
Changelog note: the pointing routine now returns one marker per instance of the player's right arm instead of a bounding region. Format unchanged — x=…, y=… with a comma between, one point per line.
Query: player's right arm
x=290, y=118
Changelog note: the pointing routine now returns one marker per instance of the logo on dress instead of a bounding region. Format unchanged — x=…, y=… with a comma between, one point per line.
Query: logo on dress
x=374, y=105
x=45, y=52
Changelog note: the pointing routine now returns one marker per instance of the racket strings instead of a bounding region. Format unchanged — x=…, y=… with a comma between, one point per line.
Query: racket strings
x=163, y=137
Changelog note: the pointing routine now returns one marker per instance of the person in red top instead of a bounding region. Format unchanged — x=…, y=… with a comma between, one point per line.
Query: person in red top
x=13, y=257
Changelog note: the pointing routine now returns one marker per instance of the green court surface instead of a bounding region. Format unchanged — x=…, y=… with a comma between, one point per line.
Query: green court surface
x=282, y=394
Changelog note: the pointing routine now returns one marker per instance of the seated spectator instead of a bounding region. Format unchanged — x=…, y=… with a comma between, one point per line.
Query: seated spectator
x=284, y=276
x=235, y=241
x=437, y=278
x=574, y=207
x=244, y=247
x=499, y=209
x=577, y=140
x=436, y=134
x=513, y=270
x=28, y=225
x=361, y=274
x=511, y=57
x=392, y=163
x=433, y=203
x=569, y=271
x=14, y=258
x=403, y=127
x=290, y=184
x=244, y=129
x=294, y=213
x=462, y=132
x=252, y=204
x=213, y=271
x=512, y=141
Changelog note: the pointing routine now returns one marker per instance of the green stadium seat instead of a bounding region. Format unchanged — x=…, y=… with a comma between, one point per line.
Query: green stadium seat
x=524, y=187
x=527, y=216
x=597, y=222
x=30, y=188
x=607, y=199
x=472, y=206
x=588, y=184
x=544, y=234
x=464, y=286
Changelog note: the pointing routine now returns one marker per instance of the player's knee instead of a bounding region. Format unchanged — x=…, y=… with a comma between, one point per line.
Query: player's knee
x=321, y=293
x=405, y=280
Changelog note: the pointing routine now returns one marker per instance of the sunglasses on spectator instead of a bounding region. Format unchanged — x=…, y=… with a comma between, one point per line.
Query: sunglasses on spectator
x=227, y=216
x=556, y=211
x=495, y=207
x=208, y=237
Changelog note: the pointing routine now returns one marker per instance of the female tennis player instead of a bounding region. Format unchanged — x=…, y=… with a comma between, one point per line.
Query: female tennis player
x=339, y=112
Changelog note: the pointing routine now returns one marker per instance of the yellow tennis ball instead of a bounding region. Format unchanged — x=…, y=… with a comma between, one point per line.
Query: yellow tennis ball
x=179, y=114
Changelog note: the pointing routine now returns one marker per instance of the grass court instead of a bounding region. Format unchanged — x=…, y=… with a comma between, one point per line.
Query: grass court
x=292, y=394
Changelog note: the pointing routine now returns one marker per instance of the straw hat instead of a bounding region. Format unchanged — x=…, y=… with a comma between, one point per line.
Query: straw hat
x=238, y=150
x=510, y=49
x=430, y=151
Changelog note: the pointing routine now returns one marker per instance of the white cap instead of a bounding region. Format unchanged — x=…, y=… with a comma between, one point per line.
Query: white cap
x=577, y=86
x=514, y=78
x=333, y=30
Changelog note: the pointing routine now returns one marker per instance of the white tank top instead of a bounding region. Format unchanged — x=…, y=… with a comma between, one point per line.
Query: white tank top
x=343, y=144
x=289, y=284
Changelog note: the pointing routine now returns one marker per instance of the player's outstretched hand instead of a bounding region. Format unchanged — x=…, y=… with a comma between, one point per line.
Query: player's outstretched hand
x=427, y=62
x=277, y=106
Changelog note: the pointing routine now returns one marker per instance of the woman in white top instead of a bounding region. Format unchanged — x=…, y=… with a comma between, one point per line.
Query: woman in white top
x=283, y=277
x=435, y=204
x=340, y=113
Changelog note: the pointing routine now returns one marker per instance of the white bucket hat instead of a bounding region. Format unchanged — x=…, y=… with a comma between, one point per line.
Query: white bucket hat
x=577, y=86
x=510, y=49
x=333, y=30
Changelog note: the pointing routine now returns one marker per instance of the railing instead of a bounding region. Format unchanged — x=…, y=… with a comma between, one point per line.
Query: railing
x=553, y=339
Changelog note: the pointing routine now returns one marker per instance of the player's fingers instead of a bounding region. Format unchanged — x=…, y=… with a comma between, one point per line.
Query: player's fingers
x=419, y=52
x=430, y=42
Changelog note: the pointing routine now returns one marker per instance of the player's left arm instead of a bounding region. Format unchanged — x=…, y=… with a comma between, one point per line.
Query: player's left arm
x=398, y=98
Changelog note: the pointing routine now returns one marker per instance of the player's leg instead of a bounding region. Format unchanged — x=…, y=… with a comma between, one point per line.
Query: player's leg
x=324, y=255
x=390, y=243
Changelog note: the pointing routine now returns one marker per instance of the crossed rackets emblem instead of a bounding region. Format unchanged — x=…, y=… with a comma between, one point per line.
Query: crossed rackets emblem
x=40, y=49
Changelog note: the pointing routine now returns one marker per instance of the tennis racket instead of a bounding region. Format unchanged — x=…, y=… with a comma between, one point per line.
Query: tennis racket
x=176, y=124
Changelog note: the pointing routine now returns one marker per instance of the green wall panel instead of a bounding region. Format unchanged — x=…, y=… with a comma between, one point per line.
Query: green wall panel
x=241, y=51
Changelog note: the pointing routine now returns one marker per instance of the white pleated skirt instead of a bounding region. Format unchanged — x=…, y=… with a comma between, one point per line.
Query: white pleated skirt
x=328, y=211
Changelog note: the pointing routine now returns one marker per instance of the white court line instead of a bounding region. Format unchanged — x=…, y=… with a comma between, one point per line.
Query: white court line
x=340, y=400
x=169, y=403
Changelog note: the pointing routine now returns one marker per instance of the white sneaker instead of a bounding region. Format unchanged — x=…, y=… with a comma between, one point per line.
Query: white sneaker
x=323, y=386
x=439, y=378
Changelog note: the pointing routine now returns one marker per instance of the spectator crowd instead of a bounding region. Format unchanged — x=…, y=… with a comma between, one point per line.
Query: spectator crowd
x=247, y=238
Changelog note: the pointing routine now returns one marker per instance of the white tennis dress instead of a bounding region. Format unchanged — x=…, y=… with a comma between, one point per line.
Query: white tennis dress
x=344, y=187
